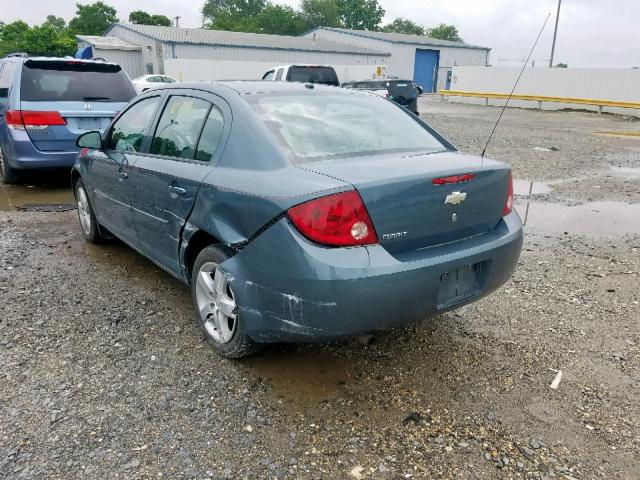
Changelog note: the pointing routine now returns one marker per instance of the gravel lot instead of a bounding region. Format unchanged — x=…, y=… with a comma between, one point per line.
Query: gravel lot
x=105, y=375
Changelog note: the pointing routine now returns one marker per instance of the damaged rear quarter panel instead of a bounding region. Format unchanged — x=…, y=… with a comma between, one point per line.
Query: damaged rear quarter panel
x=285, y=284
x=234, y=204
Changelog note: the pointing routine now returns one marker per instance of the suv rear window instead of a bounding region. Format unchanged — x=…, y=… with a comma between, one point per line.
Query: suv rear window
x=64, y=81
x=310, y=74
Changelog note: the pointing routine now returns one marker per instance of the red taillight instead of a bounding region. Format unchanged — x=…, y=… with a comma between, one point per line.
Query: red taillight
x=13, y=119
x=28, y=118
x=465, y=177
x=38, y=119
x=339, y=220
x=508, y=204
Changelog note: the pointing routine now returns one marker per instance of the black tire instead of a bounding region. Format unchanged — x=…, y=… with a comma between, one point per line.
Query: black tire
x=8, y=174
x=91, y=230
x=240, y=344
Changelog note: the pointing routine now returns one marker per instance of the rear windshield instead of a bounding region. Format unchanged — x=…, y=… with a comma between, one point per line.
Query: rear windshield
x=318, y=126
x=309, y=74
x=64, y=81
x=367, y=85
x=404, y=88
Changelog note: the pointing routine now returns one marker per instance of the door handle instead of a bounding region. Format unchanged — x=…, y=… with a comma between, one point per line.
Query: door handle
x=123, y=175
x=177, y=190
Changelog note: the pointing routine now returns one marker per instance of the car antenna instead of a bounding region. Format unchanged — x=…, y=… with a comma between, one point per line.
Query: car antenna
x=526, y=62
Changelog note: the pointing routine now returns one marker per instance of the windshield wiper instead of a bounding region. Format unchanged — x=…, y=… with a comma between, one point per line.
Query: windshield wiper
x=96, y=98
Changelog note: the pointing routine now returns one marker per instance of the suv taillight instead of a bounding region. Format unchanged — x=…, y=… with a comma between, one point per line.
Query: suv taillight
x=339, y=220
x=19, y=119
x=508, y=204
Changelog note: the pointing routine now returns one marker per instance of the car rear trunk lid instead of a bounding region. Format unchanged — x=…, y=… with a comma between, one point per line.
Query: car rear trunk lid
x=409, y=211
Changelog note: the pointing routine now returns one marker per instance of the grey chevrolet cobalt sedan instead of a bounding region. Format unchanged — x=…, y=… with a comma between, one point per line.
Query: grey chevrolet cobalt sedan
x=297, y=212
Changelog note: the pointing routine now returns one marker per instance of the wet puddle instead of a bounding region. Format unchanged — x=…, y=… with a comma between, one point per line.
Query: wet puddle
x=596, y=219
x=301, y=375
x=43, y=198
x=521, y=187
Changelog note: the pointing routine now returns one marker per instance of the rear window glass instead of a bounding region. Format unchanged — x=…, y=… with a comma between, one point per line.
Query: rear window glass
x=319, y=126
x=307, y=74
x=55, y=81
x=367, y=85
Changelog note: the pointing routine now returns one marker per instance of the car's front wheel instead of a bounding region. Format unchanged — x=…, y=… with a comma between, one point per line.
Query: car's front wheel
x=88, y=222
x=215, y=306
x=8, y=175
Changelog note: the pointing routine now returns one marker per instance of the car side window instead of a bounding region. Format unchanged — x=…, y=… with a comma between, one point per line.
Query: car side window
x=268, y=75
x=211, y=135
x=128, y=132
x=179, y=127
x=279, y=74
x=6, y=77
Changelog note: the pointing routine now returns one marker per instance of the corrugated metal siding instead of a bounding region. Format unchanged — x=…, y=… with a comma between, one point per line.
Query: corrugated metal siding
x=268, y=55
x=130, y=61
x=595, y=83
x=148, y=46
x=403, y=56
x=200, y=69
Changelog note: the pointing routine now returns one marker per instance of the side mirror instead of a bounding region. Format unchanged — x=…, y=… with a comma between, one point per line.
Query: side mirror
x=91, y=140
x=419, y=89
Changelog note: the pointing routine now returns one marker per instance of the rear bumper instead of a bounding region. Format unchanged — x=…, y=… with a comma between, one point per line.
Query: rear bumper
x=291, y=290
x=21, y=154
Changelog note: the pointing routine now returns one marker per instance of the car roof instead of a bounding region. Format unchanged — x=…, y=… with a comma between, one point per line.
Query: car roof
x=247, y=87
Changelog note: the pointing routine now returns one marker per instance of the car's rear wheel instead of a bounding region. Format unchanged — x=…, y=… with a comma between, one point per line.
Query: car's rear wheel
x=8, y=174
x=88, y=222
x=215, y=306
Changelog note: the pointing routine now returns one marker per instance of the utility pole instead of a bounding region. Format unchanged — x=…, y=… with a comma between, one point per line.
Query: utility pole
x=177, y=19
x=555, y=33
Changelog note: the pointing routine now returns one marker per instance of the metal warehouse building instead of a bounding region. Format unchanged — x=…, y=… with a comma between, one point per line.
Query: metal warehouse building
x=426, y=60
x=200, y=54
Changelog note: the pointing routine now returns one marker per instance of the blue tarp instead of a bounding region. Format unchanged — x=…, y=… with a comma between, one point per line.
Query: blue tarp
x=85, y=53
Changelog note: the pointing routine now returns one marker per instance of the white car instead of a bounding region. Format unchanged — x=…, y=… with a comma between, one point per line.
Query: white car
x=324, y=74
x=147, y=82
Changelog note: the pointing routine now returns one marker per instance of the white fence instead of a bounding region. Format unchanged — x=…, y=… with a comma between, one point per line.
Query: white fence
x=589, y=83
x=187, y=69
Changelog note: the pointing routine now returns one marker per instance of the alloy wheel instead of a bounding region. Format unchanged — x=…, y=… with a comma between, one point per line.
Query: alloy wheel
x=216, y=303
x=1, y=165
x=84, y=212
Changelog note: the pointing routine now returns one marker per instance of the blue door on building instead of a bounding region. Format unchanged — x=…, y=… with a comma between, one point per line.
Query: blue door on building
x=425, y=69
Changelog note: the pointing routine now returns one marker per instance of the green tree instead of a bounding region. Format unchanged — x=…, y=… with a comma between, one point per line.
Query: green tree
x=445, y=32
x=93, y=19
x=404, y=25
x=360, y=14
x=57, y=23
x=160, y=20
x=281, y=20
x=143, y=18
x=320, y=13
x=38, y=40
x=234, y=15
x=562, y=65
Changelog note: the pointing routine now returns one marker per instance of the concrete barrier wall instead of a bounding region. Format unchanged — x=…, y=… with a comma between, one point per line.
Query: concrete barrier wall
x=595, y=83
x=186, y=70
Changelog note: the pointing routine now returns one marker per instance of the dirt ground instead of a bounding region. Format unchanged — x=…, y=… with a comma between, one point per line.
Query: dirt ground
x=104, y=373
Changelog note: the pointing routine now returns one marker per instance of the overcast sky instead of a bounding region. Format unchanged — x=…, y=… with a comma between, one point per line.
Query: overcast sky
x=592, y=33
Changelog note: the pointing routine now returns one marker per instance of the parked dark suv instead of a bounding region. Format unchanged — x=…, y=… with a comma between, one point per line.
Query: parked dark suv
x=46, y=103
x=403, y=92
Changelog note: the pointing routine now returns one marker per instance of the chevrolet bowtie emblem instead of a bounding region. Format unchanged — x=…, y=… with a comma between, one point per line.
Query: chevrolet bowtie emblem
x=456, y=198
